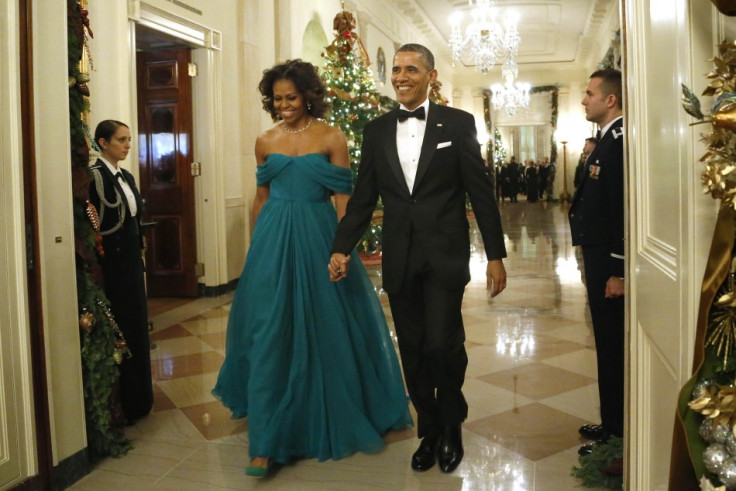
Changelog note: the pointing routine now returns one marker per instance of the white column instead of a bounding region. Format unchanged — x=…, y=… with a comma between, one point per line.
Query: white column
x=112, y=77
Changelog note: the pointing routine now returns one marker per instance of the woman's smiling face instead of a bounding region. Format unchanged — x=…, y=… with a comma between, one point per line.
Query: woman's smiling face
x=288, y=101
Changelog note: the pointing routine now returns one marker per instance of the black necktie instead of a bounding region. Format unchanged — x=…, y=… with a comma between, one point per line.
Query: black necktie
x=404, y=115
x=598, y=135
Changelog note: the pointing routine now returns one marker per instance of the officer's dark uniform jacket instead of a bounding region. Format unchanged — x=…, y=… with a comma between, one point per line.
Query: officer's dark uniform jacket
x=597, y=211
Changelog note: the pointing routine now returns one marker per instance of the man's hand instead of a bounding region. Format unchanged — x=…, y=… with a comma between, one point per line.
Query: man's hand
x=614, y=287
x=338, y=266
x=495, y=277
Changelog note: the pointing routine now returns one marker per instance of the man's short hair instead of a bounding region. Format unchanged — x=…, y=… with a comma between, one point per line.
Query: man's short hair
x=423, y=51
x=591, y=140
x=610, y=83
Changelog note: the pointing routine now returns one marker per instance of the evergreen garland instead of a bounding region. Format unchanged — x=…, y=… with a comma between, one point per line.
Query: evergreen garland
x=554, y=103
x=603, y=467
x=355, y=102
x=99, y=370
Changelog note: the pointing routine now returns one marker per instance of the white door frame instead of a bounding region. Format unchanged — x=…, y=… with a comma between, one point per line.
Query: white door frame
x=207, y=116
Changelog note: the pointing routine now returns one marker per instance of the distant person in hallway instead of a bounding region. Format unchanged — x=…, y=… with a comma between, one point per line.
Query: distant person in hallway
x=309, y=362
x=550, y=183
x=113, y=192
x=422, y=159
x=514, y=172
x=542, y=169
x=532, y=181
x=597, y=224
x=588, y=148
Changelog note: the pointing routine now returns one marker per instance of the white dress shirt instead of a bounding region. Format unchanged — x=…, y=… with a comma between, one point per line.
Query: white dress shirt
x=129, y=196
x=409, y=138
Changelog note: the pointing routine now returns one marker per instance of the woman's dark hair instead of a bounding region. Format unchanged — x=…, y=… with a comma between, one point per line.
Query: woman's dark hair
x=106, y=129
x=306, y=80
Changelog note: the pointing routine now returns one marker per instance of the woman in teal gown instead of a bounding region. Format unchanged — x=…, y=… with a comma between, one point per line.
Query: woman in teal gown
x=309, y=362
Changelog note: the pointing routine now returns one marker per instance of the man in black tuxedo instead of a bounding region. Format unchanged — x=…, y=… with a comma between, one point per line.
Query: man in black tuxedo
x=514, y=175
x=597, y=224
x=422, y=164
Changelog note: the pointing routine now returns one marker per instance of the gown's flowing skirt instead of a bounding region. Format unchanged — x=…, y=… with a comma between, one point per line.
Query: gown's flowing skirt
x=310, y=362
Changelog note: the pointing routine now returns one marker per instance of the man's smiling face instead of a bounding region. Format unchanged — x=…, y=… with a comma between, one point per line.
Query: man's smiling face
x=411, y=78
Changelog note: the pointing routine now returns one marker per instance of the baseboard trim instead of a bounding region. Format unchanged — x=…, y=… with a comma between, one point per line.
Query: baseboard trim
x=70, y=470
x=216, y=291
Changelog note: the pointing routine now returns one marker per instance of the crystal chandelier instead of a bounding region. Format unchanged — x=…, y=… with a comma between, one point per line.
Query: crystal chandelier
x=510, y=96
x=485, y=40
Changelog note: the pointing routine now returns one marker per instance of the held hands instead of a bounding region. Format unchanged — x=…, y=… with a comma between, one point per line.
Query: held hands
x=495, y=277
x=614, y=287
x=338, y=266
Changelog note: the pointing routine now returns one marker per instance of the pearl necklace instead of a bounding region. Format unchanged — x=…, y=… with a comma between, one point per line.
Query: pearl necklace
x=294, y=132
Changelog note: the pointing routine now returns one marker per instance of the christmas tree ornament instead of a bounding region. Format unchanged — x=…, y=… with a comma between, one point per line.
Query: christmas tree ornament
x=714, y=456
x=731, y=444
x=83, y=89
x=86, y=321
x=701, y=388
x=727, y=474
x=721, y=432
x=94, y=218
x=706, y=430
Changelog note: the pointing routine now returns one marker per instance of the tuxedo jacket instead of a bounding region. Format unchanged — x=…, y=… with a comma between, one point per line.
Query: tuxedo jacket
x=597, y=212
x=433, y=213
x=126, y=243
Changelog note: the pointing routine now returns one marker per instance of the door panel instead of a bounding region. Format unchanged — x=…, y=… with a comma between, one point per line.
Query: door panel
x=165, y=156
x=666, y=44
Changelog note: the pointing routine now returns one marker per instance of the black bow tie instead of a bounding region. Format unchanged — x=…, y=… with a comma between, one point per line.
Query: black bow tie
x=417, y=113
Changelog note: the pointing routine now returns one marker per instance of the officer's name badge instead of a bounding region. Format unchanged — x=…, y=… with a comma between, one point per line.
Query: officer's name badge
x=594, y=171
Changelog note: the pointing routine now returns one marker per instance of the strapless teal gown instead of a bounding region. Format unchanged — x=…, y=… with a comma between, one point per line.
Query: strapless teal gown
x=310, y=362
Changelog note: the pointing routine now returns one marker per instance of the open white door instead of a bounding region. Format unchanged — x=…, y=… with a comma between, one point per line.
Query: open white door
x=15, y=456
x=670, y=221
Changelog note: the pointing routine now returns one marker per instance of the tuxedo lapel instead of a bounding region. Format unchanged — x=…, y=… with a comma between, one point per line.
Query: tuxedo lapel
x=432, y=134
x=392, y=152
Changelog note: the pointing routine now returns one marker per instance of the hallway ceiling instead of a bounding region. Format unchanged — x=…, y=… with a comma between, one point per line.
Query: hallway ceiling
x=557, y=36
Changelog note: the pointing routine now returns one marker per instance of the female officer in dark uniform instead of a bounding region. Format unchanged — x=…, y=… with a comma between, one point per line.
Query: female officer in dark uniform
x=113, y=193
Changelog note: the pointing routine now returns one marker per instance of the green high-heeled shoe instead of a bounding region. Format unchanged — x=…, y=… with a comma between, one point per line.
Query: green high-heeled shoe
x=260, y=469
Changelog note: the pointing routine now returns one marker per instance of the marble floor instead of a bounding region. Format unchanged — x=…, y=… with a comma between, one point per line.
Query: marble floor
x=531, y=382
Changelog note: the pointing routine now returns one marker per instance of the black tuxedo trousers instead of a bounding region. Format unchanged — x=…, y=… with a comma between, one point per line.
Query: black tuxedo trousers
x=431, y=336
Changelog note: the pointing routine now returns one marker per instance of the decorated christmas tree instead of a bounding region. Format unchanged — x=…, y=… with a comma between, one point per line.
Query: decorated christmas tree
x=355, y=101
x=499, y=151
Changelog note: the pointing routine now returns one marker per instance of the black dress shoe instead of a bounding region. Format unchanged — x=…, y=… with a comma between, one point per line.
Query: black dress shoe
x=587, y=449
x=426, y=455
x=451, y=448
x=593, y=432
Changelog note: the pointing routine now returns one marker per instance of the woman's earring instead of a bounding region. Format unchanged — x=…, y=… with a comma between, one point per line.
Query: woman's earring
x=309, y=106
